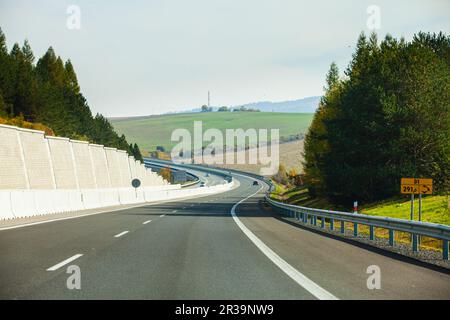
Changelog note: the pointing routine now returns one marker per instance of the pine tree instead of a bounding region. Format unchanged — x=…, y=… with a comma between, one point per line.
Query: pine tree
x=71, y=77
x=6, y=77
x=27, y=52
x=137, y=153
x=332, y=77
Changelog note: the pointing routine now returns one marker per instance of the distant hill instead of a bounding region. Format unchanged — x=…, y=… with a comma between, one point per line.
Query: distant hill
x=306, y=105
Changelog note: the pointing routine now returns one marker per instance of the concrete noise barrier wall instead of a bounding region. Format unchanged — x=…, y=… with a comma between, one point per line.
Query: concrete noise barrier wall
x=45, y=175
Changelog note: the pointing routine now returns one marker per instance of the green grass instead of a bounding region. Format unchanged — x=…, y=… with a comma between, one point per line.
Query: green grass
x=434, y=209
x=152, y=131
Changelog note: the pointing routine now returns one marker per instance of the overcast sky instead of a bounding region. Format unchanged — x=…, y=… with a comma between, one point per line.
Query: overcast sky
x=144, y=57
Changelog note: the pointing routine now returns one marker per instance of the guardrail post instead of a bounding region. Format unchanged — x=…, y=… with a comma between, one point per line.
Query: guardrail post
x=444, y=249
x=414, y=243
x=331, y=224
x=342, y=226
x=355, y=229
x=371, y=233
x=305, y=217
x=391, y=237
x=322, y=222
x=315, y=220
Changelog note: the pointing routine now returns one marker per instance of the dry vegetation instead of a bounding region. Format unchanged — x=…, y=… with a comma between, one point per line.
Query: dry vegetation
x=290, y=155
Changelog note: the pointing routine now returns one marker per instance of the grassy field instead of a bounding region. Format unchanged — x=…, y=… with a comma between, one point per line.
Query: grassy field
x=152, y=131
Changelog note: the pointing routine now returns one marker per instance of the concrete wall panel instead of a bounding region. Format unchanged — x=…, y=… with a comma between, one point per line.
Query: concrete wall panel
x=63, y=165
x=100, y=165
x=113, y=167
x=37, y=159
x=124, y=168
x=83, y=164
x=12, y=169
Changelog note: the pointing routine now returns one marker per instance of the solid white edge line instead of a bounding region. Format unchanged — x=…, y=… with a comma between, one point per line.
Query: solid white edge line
x=148, y=221
x=293, y=273
x=121, y=234
x=63, y=263
x=162, y=216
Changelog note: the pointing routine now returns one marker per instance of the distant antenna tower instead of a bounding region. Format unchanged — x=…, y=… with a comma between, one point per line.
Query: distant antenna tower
x=208, y=99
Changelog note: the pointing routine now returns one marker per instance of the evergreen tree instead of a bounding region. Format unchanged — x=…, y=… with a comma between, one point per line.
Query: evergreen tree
x=27, y=52
x=332, y=77
x=137, y=153
x=6, y=77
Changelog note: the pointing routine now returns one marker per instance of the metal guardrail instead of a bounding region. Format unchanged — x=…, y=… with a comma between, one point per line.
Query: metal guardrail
x=221, y=172
x=415, y=228
x=195, y=179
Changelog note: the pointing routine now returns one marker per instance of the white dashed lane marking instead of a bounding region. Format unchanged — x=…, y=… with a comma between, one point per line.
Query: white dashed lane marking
x=121, y=234
x=63, y=263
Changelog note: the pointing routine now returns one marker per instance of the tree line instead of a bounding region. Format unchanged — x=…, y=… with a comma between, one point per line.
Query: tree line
x=48, y=92
x=386, y=118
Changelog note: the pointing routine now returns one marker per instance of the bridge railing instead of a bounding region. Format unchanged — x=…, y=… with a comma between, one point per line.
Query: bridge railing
x=415, y=228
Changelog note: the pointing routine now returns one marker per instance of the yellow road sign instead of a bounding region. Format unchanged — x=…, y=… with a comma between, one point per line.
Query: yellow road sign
x=416, y=186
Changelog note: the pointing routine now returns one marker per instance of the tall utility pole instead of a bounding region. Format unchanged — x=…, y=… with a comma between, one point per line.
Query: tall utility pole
x=208, y=100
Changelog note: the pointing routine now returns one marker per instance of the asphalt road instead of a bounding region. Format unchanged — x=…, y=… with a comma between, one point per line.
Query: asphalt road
x=196, y=249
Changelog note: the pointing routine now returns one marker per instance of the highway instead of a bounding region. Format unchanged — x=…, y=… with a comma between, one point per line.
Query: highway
x=223, y=246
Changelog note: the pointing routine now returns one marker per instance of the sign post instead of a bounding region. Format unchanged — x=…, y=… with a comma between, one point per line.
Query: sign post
x=135, y=183
x=420, y=207
x=414, y=186
x=355, y=207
